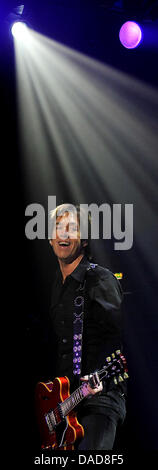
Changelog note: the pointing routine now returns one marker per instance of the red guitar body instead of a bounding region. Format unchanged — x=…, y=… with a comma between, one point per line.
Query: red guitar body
x=67, y=430
x=57, y=420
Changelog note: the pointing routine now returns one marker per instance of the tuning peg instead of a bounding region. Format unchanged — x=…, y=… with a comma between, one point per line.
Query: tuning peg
x=123, y=359
x=115, y=381
x=118, y=352
x=126, y=376
x=120, y=378
x=108, y=359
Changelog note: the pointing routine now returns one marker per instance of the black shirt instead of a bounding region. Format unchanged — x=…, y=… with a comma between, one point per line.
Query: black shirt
x=102, y=324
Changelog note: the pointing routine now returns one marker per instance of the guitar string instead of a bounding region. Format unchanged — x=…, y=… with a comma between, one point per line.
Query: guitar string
x=75, y=395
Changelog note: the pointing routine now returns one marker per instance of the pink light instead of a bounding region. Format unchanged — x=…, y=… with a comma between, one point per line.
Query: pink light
x=130, y=34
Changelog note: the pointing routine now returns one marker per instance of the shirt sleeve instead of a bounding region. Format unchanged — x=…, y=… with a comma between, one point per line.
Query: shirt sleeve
x=106, y=296
x=107, y=290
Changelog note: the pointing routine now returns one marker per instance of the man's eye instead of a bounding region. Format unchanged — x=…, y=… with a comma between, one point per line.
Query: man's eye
x=73, y=228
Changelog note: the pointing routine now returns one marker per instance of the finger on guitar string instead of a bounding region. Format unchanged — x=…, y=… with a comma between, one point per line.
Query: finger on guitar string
x=97, y=387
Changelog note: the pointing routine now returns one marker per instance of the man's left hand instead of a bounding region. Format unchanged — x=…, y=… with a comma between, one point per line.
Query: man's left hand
x=96, y=389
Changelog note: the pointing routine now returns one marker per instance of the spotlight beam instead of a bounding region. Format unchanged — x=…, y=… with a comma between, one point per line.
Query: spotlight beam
x=92, y=124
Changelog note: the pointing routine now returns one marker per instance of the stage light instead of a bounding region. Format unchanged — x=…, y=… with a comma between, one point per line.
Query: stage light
x=130, y=35
x=19, y=30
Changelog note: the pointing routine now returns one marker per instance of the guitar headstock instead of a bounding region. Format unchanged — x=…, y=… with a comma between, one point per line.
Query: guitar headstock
x=116, y=367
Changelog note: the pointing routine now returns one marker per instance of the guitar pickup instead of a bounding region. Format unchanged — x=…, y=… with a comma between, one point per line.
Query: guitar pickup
x=51, y=421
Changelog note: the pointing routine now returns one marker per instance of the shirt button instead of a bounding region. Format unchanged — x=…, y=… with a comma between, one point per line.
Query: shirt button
x=64, y=340
x=64, y=356
x=62, y=322
x=60, y=305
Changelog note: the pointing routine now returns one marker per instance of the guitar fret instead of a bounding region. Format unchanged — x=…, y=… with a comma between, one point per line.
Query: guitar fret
x=72, y=401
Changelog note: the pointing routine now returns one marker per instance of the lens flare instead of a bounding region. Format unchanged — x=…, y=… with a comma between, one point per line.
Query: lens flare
x=130, y=35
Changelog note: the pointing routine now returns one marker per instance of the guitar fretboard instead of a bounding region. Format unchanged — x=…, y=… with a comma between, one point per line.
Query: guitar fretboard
x=74, y=399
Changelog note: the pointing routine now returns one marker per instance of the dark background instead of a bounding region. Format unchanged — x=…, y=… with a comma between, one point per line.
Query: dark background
x=88, y=27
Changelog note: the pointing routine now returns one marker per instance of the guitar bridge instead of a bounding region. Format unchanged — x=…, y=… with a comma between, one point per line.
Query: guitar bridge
x=51, y=421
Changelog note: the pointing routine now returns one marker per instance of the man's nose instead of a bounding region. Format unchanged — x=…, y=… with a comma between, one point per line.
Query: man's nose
x=64, y=233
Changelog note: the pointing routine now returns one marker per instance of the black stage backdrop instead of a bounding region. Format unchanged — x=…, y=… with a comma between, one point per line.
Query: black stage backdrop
x=29, y=266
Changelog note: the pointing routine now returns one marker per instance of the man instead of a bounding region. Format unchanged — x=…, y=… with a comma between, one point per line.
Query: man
x=100, y=328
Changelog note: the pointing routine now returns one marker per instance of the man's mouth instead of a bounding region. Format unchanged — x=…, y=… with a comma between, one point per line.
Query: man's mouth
x=64, y=244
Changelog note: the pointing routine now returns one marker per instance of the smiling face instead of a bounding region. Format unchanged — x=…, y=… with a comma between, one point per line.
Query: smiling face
x=66, y=240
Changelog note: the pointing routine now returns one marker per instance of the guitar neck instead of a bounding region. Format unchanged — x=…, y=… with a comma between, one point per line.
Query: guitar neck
x=113, y=368
x=77, y=396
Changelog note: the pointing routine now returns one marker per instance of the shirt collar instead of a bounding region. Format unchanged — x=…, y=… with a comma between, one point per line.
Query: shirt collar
x=79, y=272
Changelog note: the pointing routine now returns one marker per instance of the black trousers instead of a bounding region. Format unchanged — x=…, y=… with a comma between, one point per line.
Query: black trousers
x=100, y=418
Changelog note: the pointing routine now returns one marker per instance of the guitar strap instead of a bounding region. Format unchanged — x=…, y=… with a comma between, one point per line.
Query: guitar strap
x=78, y=316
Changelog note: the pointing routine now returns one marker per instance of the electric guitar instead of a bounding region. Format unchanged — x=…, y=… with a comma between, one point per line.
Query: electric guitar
x=57, y=419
